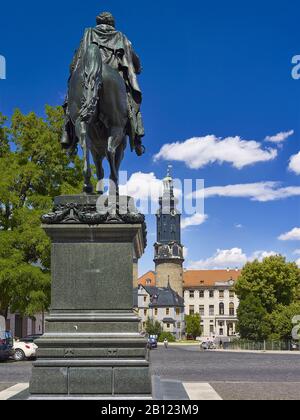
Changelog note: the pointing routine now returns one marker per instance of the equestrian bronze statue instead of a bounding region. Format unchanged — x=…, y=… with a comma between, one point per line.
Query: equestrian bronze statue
x=102, y=107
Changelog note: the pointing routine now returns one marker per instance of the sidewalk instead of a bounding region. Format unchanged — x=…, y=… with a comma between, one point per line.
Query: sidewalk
x=294, y=353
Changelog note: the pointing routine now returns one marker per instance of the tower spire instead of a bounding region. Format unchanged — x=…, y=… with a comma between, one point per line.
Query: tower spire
x=168, y=254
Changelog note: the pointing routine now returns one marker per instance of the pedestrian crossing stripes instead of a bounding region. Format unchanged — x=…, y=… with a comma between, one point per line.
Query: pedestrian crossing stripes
x=172, y=390
x=12, y=391
x=198, y=391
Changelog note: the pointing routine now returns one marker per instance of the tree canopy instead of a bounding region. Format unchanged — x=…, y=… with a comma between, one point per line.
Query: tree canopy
x=153, y=327
x=269, y=298
x=193, y=326
x=33, y=170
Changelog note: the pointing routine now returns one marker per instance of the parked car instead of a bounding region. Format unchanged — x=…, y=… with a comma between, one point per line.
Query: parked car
x=31, y=338
x=24, y=350
x=6, y=345
x=152, y=343
x=208, y=345
x=295, y=346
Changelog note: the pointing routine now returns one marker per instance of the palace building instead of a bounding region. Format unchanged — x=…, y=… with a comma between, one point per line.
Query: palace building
x=209, y=293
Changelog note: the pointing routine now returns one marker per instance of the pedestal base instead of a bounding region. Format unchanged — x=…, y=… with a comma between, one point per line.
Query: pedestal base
x=92, y=346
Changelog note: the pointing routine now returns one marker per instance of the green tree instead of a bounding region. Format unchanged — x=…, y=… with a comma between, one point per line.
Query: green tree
x=253, y=322
x=269, y=294
x=166, y=335
x=153, y=327
x=33, y=170
x=274, y=281
x=193, y=325
x=281, y=321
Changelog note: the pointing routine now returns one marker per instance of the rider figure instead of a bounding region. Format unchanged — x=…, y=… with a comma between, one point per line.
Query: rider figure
x=117, y=52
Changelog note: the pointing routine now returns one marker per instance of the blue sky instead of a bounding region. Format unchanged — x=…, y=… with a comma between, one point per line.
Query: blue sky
x=210, y=68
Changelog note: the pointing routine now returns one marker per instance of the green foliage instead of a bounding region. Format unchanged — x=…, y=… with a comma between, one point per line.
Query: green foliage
x=166, y=335
x=269, y=296
x=274, y=280
x=193, y=326
x=33, y=170
x=281, y=321
x=153, y=327
x=253, y=321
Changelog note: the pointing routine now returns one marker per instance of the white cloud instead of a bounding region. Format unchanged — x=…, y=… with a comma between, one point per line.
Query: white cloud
x=198, y=152
x=238, y=226
x=296, y=252
x=259, y=191
x=292, y=235
x=280, y=137
x=185, y=252
x=294, y=165
x=298, y=262
x=229, y=258
x=141, y=186
x=195, y=220
x=260, y=255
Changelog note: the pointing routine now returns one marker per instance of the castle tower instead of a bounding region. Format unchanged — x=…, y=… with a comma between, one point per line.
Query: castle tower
x=168, y=250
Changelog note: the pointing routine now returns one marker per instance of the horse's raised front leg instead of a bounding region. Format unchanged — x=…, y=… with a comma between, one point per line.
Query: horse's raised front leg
x=81, y=132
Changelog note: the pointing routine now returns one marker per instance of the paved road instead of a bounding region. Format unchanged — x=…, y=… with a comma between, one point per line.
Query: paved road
x=234, y=376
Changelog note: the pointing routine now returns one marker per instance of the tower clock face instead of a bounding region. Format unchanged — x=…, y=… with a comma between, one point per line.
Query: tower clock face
x=173, y=213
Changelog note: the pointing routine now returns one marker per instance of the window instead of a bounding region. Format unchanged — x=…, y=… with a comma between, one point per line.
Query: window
x=192, y=294
x=145, y=312
x=231, y=294
x=221, y=309
x=178, y=311
x=192, y=310
x=231, y=309
x=221, y=331
x=202, y=310
x=211, y=310
x=230, y=329
x=148, y=282
x=178, y=325
x=155, y=311
x=211, y=329
x=221, y=294
x=168, y=326
x=168, y=311
x=211, y=294
x=145, y=299
x=201, y=294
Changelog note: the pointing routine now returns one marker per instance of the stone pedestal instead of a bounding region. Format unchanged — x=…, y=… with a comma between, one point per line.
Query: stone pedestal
x=92, y=347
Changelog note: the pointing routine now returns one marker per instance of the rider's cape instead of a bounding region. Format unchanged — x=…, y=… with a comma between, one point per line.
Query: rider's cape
x=105, y=36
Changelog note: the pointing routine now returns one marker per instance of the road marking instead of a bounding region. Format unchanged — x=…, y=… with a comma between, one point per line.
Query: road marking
x=199, y=391
x=12, y=391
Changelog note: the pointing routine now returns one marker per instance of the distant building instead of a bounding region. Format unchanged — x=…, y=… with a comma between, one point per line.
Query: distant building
x=209, y=293
x=23, y=326
x=168, y=250
x=160, y=304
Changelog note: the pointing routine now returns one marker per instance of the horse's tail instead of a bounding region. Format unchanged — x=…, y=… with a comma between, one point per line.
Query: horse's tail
x=92, y=81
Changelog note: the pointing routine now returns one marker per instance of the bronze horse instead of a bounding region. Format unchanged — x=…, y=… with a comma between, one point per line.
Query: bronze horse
x=99, y=112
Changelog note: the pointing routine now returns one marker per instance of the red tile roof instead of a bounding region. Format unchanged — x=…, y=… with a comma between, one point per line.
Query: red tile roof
x=197, y=278
x=148, y=276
